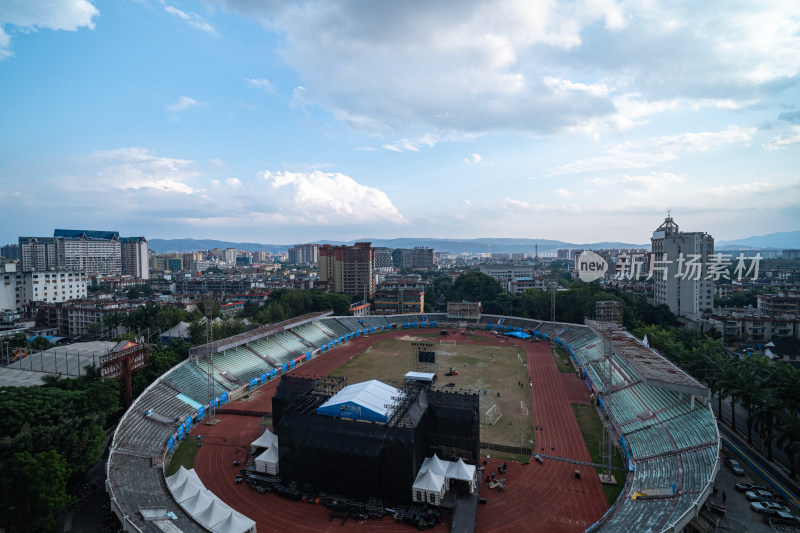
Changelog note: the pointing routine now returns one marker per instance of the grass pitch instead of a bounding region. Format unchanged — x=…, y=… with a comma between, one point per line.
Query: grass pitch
x=487, y=370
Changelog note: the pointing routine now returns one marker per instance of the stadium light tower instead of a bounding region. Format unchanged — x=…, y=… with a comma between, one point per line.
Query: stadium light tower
x=212, y=393
x=609, y=315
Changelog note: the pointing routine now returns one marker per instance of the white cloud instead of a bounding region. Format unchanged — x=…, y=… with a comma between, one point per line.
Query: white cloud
x=218, y=163
x=30, y=15
x=182, y=104
x=192, y=19
x=790, y=136
x=137, y=169
x=649, y=152
x=328, y=198
x=515, y=65
x=263, y=84
x=564, y=193
x=474, y=158
x=651, y=185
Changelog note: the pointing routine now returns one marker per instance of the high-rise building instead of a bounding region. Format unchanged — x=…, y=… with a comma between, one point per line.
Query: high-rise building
x=679, y=264
x=10, y=251
x=347, y=269
x=303, y=253
x=383, y=257
x=37, y=253
x=135, y=252
x=422, y=257
x=230, y=255
x=93, y=252
x=97, y=253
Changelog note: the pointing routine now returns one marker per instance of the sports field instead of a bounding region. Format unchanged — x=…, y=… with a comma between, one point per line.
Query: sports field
x=498, y=374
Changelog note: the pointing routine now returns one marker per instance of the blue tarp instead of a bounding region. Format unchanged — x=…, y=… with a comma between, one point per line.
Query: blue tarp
x=518, y=335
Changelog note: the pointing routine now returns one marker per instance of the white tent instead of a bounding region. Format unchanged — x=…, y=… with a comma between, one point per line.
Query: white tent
x=428, y=487
x=435, y=465
x=198, y=502
x=268, y=461
x=213, y=514
x=266, y=440
x=183, y=491
x=235, y=523
x=178, y=477
x=460, y=471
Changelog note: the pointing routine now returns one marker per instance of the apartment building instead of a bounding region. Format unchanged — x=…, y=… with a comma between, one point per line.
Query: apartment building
x=681, y=285
x=347, y=269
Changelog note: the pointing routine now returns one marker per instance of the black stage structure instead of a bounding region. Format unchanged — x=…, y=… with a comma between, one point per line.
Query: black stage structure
x=361, y=459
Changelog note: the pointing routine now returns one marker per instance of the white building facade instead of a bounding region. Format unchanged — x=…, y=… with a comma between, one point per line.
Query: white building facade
x=680, y=267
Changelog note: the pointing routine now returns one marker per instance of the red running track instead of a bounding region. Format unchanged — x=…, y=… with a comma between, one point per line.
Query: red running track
x=544, y=498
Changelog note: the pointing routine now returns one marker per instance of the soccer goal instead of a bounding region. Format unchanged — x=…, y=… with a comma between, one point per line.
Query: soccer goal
x=443, y=342
x=493, y=414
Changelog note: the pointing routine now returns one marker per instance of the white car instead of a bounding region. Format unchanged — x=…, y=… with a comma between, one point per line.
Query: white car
x=768, y=507
x=759, y=495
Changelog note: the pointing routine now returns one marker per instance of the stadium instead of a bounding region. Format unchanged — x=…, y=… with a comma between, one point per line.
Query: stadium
x=668, y=433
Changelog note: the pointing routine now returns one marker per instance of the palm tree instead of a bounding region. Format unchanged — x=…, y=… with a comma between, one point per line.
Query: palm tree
x=763, y=417
x=787, y=435
x=747, y=385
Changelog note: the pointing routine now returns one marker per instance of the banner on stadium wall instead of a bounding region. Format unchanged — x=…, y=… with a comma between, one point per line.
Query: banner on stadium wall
x=253, y=383
x=284, y=367
x=201, y=412
x=188, y=423
x=180, y=432
x=433, y=324
x=273, y=373
x=290, y=364
x=223, y=398
x=263, y=377
x=171, y=443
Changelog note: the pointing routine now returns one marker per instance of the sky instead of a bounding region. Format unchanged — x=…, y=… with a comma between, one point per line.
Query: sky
x=284, y=122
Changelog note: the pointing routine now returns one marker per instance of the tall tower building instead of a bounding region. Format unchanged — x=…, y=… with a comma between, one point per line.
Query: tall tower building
x=680, y=269
x=303, y=253
x=135, y=252
x=347, y=269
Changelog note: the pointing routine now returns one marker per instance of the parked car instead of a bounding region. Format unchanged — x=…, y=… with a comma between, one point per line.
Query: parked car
x=754, y=495
x=735, y=466
x=744, y=487
x=768, y=508
x=238, y=479
x=783, y=519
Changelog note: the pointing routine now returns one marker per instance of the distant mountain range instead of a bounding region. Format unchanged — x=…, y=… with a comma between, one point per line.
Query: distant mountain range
x=780, y=240
x=454, y=246
x=783, y=240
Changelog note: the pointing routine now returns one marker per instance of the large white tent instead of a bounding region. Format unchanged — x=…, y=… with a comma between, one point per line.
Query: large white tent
x=268, y=461
x=202, y=505
x=234, y=522
x=428, y=487
x=458, y=470
x=214, y=514
x=266, y=440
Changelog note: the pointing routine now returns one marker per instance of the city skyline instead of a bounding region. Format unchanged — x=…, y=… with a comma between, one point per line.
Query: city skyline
x=298, y=122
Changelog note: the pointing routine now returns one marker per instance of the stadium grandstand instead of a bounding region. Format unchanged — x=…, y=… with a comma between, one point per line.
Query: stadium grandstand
x=668, y=432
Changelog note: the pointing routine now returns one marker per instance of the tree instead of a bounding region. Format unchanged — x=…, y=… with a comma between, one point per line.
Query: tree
x=39, y=488
x=40, y=344
x=475, y=287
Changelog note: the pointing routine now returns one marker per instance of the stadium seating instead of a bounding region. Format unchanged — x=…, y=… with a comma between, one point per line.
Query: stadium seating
x=672, y=443
x=241, y=362
x=189, y=379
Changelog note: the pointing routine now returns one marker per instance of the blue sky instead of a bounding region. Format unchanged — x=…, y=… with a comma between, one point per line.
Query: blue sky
x=283, y=122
